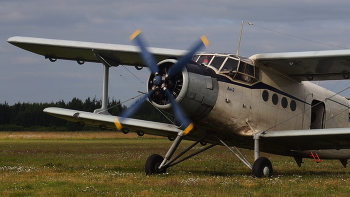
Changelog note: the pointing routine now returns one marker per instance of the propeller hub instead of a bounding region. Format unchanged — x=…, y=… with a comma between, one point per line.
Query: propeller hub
x=157, y=80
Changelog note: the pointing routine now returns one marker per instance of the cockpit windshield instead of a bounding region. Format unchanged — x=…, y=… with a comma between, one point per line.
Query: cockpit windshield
x=217, y=62
x=231, y=66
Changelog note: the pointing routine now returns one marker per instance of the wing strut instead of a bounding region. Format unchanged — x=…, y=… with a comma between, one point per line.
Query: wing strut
x=106, y=66
x=238, y=154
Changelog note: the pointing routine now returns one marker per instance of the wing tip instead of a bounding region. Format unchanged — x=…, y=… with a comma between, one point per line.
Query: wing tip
x=12, y=39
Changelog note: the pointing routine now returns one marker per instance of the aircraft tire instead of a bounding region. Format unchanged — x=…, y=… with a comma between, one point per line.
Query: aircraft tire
x=152, y=163
x=262, y=167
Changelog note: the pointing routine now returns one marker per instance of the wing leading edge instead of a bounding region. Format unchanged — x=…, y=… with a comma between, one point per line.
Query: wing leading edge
x=310, y=65
x=84, y=51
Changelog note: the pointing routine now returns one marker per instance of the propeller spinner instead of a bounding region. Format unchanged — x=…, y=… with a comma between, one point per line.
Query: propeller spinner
x=164, y=81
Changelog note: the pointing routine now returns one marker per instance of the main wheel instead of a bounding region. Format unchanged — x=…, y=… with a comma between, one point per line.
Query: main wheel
x=152, y=164
x=262, y=167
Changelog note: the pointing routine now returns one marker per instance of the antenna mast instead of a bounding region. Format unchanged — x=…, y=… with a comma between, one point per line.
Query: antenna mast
x=240, y=38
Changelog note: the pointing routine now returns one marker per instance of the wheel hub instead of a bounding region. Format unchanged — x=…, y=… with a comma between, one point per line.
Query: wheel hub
x=266, y=171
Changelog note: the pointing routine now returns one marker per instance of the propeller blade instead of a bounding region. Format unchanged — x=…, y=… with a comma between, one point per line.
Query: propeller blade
x=145, y=54
x=131, y=111
x=186, y=124
x=176, y=68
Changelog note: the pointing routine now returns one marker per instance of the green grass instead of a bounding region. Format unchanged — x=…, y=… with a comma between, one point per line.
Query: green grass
x=101, y=164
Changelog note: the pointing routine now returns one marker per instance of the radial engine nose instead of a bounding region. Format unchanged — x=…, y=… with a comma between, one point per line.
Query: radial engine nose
x=195, y=89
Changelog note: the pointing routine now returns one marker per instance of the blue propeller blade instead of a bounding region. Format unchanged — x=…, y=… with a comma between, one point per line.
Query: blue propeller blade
x=145, y=54
x=176, y=68
x=132, y=110
x=186, y=124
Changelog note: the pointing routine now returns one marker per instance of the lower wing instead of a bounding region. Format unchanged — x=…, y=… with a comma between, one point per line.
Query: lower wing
x=297, y=141
x=108, y=121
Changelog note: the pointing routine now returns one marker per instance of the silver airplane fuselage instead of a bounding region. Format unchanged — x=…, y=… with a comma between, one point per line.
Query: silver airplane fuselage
x=249, y=98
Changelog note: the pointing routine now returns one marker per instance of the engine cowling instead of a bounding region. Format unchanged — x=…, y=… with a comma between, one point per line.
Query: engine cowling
x=195, y=88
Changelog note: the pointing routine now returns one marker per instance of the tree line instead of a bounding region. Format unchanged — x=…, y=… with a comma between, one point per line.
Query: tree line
x=30, y=116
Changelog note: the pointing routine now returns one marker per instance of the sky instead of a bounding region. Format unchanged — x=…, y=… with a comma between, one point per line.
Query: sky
x=27, y=77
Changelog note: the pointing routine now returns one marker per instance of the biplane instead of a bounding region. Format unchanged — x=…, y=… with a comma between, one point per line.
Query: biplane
x=266, y=102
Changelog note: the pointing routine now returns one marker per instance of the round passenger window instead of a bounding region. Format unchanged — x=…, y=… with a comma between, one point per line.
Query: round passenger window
x=275, y=99
x=293, y=105
x=284, y=102
x=265, y=95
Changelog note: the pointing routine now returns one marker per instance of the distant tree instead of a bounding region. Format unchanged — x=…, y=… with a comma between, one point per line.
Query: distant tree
x=5, y=114
x=30, y=116
x=148, y=112
x=75, y=104
x=115, y=107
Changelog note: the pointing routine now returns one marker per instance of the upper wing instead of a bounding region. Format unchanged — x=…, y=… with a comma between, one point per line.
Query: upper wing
x=84, y=51
x=108, y=121
x=311, y=65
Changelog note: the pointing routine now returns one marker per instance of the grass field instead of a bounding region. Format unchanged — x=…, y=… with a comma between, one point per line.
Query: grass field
x=111, y=164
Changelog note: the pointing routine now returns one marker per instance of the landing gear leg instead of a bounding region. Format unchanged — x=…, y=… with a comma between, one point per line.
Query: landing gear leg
x=156, y=164
x=262, y=166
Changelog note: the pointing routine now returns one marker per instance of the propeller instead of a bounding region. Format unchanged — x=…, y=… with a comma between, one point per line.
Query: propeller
x=161, y=82
x=146, y=56
x=185, y=123
x=176, y=68
x=131, y=110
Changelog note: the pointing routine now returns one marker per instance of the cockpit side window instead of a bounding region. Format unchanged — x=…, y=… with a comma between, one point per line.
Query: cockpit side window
x=246, y=68
x=195, y=58
x=204, y=59
x=246, y=73
x=217, y=62
x=230, y=65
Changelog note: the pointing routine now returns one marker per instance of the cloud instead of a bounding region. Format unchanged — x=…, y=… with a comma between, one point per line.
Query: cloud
x=26, y=60
x=168, y=24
